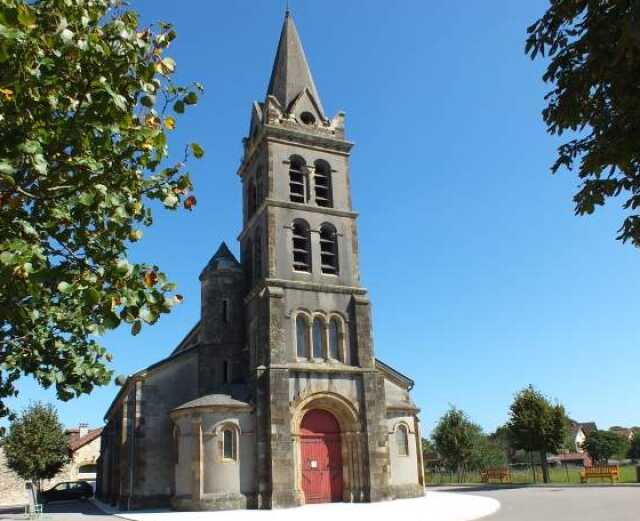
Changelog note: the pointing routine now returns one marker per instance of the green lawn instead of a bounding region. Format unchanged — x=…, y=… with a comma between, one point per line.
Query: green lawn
x=525, y=476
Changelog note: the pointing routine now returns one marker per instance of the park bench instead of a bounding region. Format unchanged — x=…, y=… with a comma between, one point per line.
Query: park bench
x=611, y=472
x=502, y=475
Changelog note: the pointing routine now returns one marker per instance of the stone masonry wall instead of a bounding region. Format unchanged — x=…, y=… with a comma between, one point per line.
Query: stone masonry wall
x=12, y=487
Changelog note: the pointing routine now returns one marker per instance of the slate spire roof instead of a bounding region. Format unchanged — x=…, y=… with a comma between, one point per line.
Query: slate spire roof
x=223, y=259
x=291, y=74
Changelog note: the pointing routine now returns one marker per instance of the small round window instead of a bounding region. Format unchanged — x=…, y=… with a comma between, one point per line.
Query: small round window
x=307, y=118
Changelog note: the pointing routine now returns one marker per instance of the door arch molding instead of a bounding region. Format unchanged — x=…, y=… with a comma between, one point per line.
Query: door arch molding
x=353, y=448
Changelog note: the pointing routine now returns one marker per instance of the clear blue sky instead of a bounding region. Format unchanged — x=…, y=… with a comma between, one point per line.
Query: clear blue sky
x=482, y=279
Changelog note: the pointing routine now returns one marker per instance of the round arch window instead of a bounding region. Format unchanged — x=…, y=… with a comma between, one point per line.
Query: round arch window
x=307, y=118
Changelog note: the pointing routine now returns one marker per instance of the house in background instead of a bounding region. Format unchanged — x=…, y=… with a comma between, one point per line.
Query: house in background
x=575, y=455
x=84, y=450
x=579, y=432
x=574, y=459
x=624, y=432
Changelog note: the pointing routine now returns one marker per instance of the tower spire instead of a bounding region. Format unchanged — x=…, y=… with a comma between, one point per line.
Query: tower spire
x=291, y=74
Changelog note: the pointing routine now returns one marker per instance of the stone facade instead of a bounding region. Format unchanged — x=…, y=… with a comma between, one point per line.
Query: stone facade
x=84, y=451
x=283, y=333
x=12, y=488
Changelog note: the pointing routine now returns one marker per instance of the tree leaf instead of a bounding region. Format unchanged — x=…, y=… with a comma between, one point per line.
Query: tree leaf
x=198, y=151
x=136, y=327
x=191, y=98
x=178, y=106
x=64, y=287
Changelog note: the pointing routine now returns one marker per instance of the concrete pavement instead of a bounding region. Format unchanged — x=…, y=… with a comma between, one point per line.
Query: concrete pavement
x=61, y=511
x=591, y=503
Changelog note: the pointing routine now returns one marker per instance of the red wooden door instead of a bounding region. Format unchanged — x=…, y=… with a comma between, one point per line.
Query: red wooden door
x=321, y=458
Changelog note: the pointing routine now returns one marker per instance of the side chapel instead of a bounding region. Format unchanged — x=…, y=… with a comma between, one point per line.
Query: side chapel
x=274, y=398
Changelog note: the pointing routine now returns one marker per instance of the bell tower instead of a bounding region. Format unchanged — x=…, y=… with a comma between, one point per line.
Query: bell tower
x=307, y=317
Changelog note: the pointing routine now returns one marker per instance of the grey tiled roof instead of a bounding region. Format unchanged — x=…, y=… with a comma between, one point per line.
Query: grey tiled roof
x=291, y=73
x=213, y=400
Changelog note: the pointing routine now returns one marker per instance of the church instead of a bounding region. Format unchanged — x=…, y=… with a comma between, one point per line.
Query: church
x=274, y=398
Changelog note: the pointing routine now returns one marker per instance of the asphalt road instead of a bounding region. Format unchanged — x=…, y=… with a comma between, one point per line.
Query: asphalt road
x=517, y=504
x=62, y=511
x=563, y=504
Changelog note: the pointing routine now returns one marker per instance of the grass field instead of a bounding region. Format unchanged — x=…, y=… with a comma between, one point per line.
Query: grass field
x=567, y=475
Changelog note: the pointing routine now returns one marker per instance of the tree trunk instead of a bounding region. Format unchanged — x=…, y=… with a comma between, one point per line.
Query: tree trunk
x=533, y=467
x=545, y=466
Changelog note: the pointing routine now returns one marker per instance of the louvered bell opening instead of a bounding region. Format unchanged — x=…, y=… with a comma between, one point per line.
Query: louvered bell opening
x=328, y=252
x=301, y=261
x=296, y=186
x=323, y=189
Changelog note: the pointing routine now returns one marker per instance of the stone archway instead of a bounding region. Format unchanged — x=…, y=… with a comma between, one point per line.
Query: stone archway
x=355, y=482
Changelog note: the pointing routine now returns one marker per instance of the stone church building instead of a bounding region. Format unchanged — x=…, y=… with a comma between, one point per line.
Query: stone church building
x=274, y=398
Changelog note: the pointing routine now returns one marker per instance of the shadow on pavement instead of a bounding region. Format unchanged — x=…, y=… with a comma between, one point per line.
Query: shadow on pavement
x=14, y=513
x=475, y=488
x=72, y=507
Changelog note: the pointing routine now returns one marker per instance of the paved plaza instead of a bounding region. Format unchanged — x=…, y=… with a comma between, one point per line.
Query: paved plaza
x=591, y=503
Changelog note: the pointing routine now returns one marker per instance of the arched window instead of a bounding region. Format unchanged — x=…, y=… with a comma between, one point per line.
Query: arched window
x=226, y=370
x=229, y=449
x=302, y=337
x=252, y=198
x=334, y=339
x=257, y=256
x=329, y=249
x=307, y=118
x=402, y=440
x=225, y=310
x=301, y=246
x=322, y=184
x=318, y=338
x=298, y=181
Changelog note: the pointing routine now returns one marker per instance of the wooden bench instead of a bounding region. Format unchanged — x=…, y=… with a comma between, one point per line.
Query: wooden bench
x=611, y=472
x=502, y=475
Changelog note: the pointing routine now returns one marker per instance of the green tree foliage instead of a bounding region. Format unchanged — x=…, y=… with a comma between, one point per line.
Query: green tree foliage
x=486, y=453
x=36, y=446
x=87, y=103
x=502, y=439
x=594, y=67
x=569, y=442
x=634, y=448
x=602, y=445
x=454, y=438
x=428, y=451
x=537, y=425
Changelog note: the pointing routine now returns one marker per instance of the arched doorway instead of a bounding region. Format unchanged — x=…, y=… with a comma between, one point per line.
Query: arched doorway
x=321, y=457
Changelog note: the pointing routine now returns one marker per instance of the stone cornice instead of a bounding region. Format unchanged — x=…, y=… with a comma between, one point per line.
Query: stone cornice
x=320, y=367
x=284, y=135
x=293, y=206
x=265, y=284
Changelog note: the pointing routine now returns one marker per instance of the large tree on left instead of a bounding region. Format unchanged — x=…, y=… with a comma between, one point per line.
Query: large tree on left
x=36, y=445
x=87, y=102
